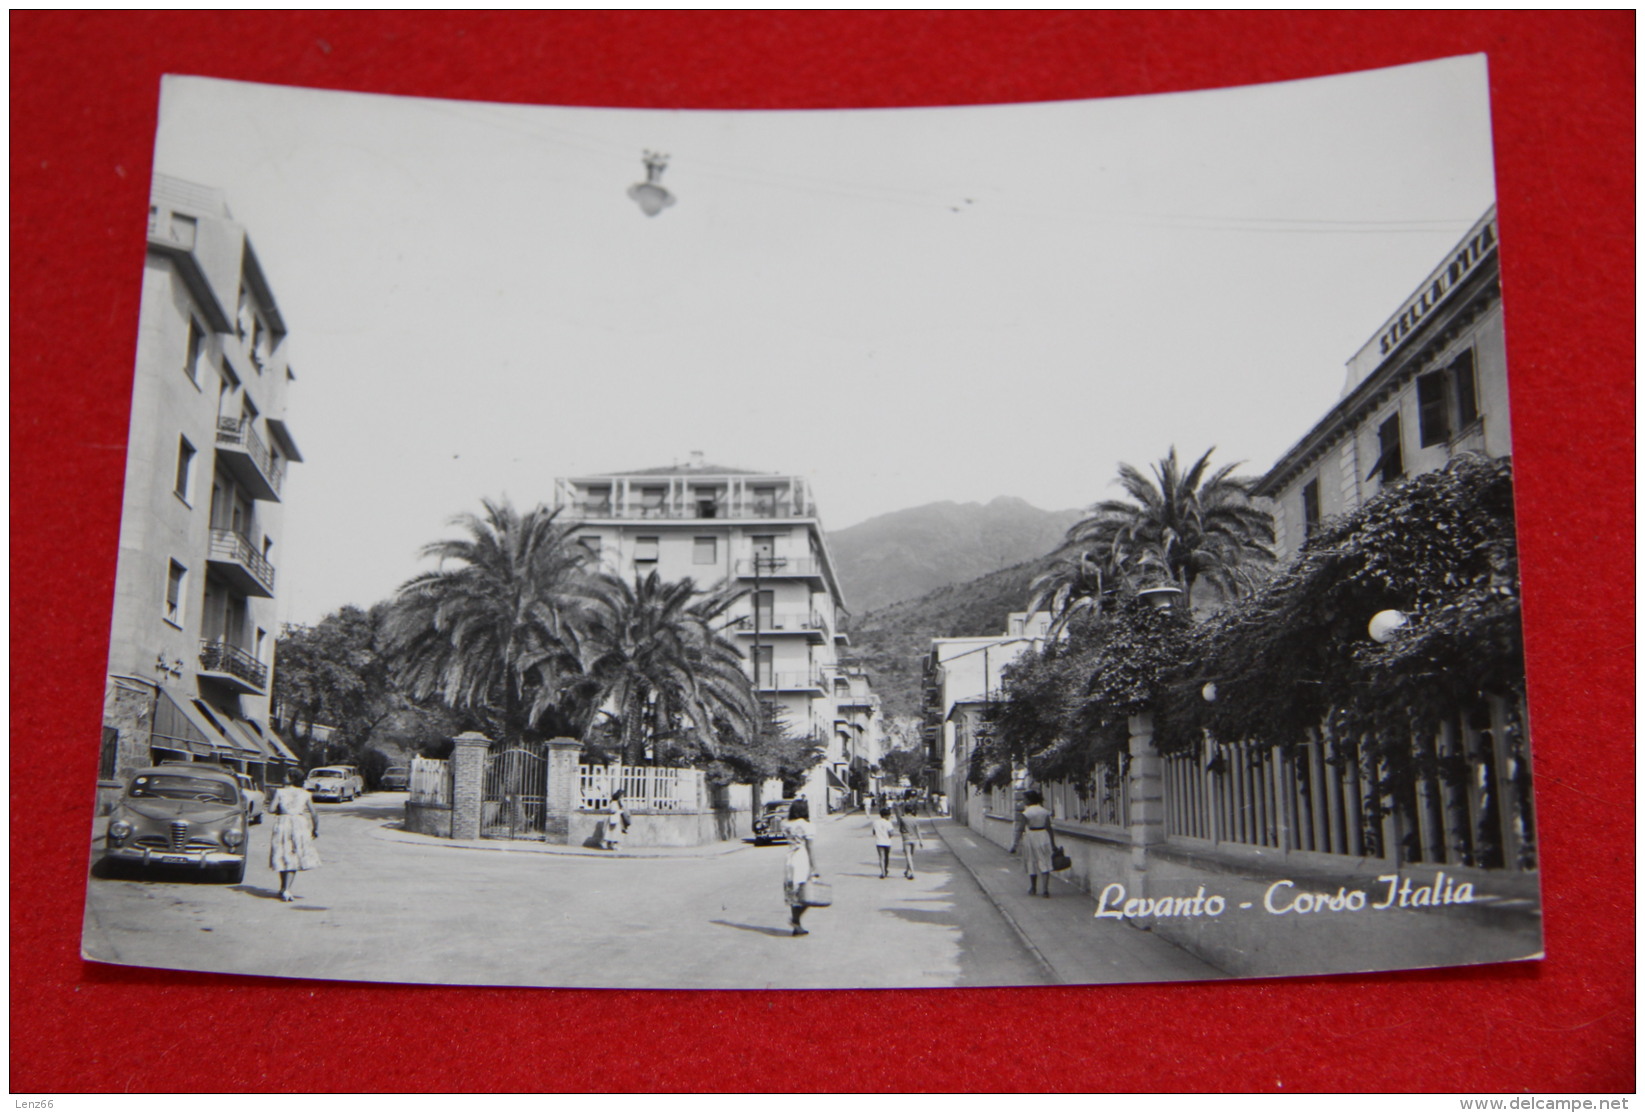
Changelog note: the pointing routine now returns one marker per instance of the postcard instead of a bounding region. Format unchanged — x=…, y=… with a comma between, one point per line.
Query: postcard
x=477, y=622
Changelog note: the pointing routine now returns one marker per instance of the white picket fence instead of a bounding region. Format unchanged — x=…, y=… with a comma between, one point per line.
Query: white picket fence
x=644, y=787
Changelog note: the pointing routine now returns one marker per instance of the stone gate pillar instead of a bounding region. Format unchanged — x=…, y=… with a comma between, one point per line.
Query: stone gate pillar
x=1145, y=791
x=563, y=793
x=468, y=769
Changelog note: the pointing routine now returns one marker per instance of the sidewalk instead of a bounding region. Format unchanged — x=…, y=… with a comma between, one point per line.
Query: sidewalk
x=1063, y=932
x=526, y=846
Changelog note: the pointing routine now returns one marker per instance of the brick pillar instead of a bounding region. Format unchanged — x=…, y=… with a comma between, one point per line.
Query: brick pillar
x=1145, y=788
x=564, y=793
x=468, y=768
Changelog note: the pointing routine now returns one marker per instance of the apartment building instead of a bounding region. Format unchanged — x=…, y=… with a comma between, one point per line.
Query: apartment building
x=761, y=532
x=1431, y=383
x=961, y=677
x=192, y=643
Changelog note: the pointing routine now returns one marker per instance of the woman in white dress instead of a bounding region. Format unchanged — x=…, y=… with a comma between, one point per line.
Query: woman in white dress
x=616, y=822
x=1033, y=834
x=291, y=843
x=801, y=863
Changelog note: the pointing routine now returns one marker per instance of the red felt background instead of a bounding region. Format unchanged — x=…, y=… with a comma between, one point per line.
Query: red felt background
x=84, y=89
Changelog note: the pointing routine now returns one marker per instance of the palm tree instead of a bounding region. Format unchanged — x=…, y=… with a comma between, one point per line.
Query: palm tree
x=495, y=629
x=657, y=662
x=1181, y=528
x=1069, y=588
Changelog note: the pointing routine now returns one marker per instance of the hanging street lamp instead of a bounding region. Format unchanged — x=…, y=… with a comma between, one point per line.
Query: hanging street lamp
x=650, y=194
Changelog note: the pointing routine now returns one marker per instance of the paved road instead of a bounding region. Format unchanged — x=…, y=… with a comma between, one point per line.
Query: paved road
x=383, y=910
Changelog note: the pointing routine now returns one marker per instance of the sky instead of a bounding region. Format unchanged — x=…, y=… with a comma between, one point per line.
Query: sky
x=905, y=306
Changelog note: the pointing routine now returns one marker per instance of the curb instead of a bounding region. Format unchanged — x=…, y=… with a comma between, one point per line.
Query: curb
x=1033, y=949
x=523, y=846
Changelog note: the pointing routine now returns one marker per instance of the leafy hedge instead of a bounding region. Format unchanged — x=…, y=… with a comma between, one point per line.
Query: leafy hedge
x=1296, y=653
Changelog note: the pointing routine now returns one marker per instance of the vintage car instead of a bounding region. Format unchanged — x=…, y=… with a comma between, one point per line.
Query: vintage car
x=253, y=797
x=396, y=778
x=334, y=782
x=768, y=824
x=180, y=815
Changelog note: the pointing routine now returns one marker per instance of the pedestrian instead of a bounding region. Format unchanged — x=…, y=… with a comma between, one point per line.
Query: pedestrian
x=909, y=827
x=1033, y=832
x=296, y=826
x=884, y=832
x=801, y=864
x=616, y=822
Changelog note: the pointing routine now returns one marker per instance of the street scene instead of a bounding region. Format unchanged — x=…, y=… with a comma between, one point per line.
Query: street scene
x=388, y=906
x=477, y=620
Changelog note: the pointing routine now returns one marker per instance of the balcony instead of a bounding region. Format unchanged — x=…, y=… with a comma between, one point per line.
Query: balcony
x=236, y=561
x=799, y=681
x=778, y=622
x=781, y=568
x=689, y=511
x=248, y=458
x=233, y=666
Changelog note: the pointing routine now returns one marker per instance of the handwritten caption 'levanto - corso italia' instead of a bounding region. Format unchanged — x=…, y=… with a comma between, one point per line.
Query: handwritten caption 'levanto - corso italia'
x=1283, y=898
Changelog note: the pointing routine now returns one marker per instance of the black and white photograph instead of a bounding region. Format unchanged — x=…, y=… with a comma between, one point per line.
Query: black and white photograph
x=1063, y=543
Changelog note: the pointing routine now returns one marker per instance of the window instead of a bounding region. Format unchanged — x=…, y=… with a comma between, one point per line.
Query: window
x=763, y=676
x=705, y=550
x=257, y=643
x=765, y=501
x=763, y=601
x=651, y=501
x=1433, y=408
x=1390, y=465
x=1310, y=507
x=591, y=542
x=764, y=546
x=176, y=576
x=107, y=761
x=707, y=500
x=645, y=550
x=1462, y=376
x=596, y=500
x=196, y=346
x=185, y=469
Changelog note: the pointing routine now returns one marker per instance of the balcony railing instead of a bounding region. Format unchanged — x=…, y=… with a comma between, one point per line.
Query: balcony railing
x=779, y=622
x=226, y=545
x=237, y=435
x=692, y=511
x=230, y=660
x=778, y=567
x=790, y=681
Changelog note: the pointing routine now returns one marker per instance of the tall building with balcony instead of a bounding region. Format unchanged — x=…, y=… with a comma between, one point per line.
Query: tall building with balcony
x=1432, y=383
x=192, y=644
x=762, y=533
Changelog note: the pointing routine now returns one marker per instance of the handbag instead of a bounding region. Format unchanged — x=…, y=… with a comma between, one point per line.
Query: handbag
x=1059, y=859
x=816, y=894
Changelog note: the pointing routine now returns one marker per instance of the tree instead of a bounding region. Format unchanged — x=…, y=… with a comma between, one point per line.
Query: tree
x=773, y=749
x=1071, y=587
x=333, y=673
x=656, y=662
x=903, y=764
x=1181, y=528
x=495, y=629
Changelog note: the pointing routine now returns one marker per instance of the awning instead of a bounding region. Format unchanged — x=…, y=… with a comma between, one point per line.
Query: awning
x=177, y=726
x=834, y=780
x=231, y=742
x=277, y=748
x=244, y=735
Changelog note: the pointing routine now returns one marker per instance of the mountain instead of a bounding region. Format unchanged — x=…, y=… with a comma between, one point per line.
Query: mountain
x=908, y=553
x=891, y=641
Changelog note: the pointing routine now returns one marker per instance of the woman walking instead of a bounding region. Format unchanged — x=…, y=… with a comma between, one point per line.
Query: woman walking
x=616, y=822
x=291, y=843
x=1033, y=832
x=801, y=864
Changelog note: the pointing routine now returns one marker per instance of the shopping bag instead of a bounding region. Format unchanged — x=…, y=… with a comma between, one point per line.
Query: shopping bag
x=816, y=894
x=1059, y=859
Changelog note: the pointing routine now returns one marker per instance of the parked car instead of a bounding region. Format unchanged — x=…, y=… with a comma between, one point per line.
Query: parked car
x=396, y=778
x=333, y=782
x=253, y=798
x=768, y=824
x=180, y=815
